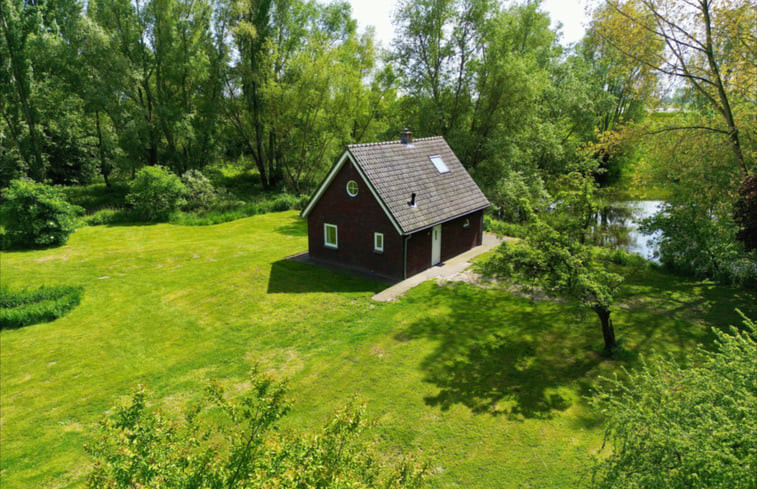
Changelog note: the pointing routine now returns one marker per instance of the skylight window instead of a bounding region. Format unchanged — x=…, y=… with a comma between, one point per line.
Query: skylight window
x=438, y=162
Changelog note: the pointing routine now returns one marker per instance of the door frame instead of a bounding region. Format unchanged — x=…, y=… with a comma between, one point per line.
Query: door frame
x=436, y=245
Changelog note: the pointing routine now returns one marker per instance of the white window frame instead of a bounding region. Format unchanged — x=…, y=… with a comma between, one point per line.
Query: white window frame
x=439, y=163
x=376, y=238
x=326, y=243
x=357, y=188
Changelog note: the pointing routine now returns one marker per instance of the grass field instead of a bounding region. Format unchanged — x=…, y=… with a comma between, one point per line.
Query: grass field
x=489, y=388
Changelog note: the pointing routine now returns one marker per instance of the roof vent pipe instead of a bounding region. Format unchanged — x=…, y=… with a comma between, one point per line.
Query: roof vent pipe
x=412, y=200
x=406, y=137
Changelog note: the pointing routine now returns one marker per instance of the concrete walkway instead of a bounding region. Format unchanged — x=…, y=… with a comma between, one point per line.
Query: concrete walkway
x=444, y=271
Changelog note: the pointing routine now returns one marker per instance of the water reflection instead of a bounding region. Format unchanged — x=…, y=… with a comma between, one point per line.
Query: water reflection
x=617, y=226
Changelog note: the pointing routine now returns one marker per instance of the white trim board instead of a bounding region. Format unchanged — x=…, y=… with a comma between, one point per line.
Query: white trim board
x=330, y=178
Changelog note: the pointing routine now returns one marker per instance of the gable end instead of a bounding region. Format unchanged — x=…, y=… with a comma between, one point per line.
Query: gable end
x=347, y=156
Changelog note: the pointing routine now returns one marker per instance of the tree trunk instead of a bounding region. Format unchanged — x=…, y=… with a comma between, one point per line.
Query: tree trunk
x=105, y=168
x=608, y=332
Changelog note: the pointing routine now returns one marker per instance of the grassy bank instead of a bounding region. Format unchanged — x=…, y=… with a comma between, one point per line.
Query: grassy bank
x=488, y=387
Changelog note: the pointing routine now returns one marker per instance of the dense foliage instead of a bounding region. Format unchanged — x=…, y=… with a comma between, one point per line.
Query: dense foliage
x=35, y=215
x=24, y=307
x=679, y=426
x=746, y=213
x=155, y=193
x=562, y=267
x=225, y=441
x=97, y=90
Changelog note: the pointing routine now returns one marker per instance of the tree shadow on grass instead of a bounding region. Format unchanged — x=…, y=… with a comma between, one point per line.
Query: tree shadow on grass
x=295, y=277
x=677, y=314
x=505, y=355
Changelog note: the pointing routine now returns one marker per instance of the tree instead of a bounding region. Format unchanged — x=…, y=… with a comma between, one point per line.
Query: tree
x=746, y=213
x=36, y=215
x=560, y=266
x=298, y=89
x=236, y=442
x=153, y=68
x=679, y=426
x=19, y=22
x=701, y=53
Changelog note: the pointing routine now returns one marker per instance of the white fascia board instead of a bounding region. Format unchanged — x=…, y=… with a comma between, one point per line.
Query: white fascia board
x=330, y=178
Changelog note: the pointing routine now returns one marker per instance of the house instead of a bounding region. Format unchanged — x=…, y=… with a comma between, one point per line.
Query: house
x=395, y=208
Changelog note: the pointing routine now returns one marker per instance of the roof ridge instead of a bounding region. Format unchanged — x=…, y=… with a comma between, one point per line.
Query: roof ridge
x=397, y=141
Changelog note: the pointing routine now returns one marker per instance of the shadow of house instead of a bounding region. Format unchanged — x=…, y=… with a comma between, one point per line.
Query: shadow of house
x=522, y=360
x=291, y=276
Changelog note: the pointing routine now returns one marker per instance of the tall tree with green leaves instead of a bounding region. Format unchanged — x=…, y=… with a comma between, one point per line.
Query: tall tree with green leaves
x=709, y=47
x=299, y=89
x=42, y=125
x=19, y=22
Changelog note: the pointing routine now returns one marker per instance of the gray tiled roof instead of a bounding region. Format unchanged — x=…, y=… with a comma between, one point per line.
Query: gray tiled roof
x=397, y=170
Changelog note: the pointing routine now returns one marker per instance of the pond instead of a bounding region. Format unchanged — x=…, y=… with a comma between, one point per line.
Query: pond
x=618, y=226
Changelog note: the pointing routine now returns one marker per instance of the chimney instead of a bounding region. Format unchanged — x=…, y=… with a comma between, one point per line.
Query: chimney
x=406, y=137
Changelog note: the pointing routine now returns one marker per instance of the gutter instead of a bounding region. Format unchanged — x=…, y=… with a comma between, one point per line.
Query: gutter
x=408, y=233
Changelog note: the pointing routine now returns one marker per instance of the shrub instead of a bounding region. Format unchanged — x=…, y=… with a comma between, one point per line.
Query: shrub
x=36, y=215
x=155, y=193
x=25, y=307
x=225, y=441
x=200, y=191
x=679, y=426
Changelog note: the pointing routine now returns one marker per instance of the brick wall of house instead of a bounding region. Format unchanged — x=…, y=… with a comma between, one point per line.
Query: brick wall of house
x=357, y=219
x=456, y=238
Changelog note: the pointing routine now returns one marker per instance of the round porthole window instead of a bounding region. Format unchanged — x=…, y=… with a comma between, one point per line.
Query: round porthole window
x=352, y=188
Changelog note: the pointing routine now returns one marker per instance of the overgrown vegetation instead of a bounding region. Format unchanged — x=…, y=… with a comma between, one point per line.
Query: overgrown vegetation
x=236, y=441
x=679, y=424
x=31, y=306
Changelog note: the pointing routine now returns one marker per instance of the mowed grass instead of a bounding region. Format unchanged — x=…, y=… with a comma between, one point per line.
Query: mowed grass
x=487, y=387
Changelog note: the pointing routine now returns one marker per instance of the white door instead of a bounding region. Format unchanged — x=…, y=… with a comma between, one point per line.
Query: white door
x=436, y=245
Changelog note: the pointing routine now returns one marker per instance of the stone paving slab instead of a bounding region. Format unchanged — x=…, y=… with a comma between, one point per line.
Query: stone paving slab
x=444, y=271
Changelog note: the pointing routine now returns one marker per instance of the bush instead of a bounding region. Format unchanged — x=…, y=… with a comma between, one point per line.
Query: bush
x=200, y=191
x=26, y=307
x=36, y=215
x=225, y=441
x=155, y=193
x=676, y=426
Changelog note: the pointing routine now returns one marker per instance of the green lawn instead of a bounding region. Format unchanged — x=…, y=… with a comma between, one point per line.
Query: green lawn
x=488, y=387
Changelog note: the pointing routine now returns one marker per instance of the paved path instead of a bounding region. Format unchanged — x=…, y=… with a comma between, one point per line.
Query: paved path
x=446, y=271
